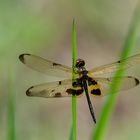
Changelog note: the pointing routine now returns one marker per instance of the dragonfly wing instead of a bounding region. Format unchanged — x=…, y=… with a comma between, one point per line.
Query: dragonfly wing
x=54, y=89
x=133, y=60
x=102, y=86
x=45, y=66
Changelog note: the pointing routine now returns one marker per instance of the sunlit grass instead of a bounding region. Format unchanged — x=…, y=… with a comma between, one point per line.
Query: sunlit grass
x=110, y=103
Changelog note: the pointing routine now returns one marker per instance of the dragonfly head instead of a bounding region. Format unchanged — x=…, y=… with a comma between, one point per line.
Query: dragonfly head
x=80, y=63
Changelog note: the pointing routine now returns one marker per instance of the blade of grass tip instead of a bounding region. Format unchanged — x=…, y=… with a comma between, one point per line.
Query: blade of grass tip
x=11, y=107
x=115, y=86
x=73, y=129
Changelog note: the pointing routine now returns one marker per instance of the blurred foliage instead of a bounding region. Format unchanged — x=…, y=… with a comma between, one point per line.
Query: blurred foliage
x=116, y=86
x=21, y=30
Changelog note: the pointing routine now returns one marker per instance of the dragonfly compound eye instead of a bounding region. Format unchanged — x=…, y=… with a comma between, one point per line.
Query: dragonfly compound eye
x=80, y=63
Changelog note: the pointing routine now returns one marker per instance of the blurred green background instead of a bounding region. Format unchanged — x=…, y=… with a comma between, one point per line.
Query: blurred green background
x=44, y=28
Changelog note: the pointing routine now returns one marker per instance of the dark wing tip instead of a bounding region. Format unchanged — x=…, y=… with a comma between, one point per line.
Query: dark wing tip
x=21, y=57
x=28, y=92
x=137, y=81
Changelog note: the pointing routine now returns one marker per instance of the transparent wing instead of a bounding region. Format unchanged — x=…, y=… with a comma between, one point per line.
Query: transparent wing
x=102, y=85
x=45, y=66
x=133, y=60
x=54, y=89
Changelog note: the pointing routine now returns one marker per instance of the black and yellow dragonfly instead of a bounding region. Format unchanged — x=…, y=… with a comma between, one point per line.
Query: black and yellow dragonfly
x=86, y=80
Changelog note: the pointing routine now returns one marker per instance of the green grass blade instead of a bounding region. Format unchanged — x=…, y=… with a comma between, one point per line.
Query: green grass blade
x=11, y=134
x=74, y=48
x=110, y=103
x=71, y=133
x=73, y=129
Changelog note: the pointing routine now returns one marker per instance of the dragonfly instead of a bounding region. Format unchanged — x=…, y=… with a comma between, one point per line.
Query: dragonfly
x=87, y=81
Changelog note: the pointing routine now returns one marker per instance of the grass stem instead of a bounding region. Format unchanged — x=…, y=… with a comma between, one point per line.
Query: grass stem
x=73, y=77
